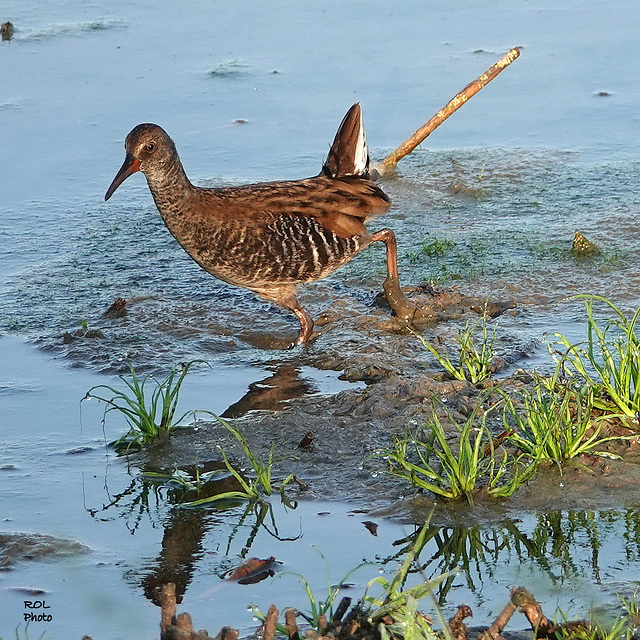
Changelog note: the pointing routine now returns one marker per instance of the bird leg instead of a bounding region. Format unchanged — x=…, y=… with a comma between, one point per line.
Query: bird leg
x=306, y=325
x=401, y=307
x=285, y=296
x=397, y=301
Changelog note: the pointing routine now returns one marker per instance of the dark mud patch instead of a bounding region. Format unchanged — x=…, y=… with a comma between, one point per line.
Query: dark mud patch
x=328, y=440
x=21, y=547
x=340, y=433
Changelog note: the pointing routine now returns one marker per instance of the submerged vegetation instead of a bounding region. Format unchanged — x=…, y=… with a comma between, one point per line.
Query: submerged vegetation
x=434, y=248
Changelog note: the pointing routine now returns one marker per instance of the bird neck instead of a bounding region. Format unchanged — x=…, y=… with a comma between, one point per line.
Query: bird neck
x=169, y=185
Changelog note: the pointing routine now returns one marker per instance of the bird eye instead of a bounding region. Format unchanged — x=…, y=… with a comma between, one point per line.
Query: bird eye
x=150, y=146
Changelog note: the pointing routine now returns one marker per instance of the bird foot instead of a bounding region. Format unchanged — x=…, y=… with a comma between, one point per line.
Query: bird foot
x=267, y=341
x=403, y=308
x=305, y=340
x=398, y=302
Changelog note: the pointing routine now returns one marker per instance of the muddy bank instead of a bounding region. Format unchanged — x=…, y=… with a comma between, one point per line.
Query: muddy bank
x=328, y=441
x=349, y=427
x=401, y=385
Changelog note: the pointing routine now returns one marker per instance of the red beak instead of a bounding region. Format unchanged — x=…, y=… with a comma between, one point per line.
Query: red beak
x=129, y=167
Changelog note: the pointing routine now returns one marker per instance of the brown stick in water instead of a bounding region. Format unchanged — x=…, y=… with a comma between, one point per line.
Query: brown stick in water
x=168, y=602
x=291, y=624
x=390, y=162
x=269, y=624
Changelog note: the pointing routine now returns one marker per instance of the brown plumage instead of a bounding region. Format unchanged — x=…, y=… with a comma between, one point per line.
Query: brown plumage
x=270, y=237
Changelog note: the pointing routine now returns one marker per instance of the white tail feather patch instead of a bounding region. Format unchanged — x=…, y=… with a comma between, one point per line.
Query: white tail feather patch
x=361, y=156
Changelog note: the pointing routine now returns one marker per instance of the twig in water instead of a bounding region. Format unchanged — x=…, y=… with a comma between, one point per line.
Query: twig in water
x=270, y=622
x=291, y=625
x=389, y=163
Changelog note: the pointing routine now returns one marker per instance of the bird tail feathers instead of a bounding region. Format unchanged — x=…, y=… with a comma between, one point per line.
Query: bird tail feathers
x=349, y=155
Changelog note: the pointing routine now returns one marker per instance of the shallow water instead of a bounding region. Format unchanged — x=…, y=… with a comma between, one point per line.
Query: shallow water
x=549, y=147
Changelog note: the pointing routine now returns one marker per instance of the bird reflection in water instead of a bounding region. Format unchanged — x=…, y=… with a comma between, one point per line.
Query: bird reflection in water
x=273, y=393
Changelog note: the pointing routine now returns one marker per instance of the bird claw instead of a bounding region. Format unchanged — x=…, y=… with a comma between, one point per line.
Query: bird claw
x=403, y=308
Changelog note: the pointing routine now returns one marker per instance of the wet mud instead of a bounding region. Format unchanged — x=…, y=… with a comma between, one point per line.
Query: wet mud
x=328, y=441
x=23, y=547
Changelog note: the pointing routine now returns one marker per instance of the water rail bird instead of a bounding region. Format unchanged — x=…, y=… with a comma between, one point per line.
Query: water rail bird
x=271, y=237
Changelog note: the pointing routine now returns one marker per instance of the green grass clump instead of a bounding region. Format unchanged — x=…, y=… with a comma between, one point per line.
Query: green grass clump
x=609, y=360
x=427, y=460
x=556, y=422
x=624, y=628
x=149, y=414
x=474, y=352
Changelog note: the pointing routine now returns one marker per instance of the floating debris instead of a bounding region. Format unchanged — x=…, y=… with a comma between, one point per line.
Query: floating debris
x=253, y=570
x=371, y=526
x=29, y=591
x=307, y=440
x=461, y=188
x=6, y=29
x=582, y=247
x=117, y=310
x=228, y=69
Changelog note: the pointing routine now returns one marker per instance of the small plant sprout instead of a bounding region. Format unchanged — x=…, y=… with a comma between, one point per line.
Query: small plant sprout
x=150, y=414
x=24, y=634
x=390, y=615
x=251, y=489
x=609, y=360
x=475, y=353
x=191, y=479
x=320, y=611
x=395, y=612
x=624, y=628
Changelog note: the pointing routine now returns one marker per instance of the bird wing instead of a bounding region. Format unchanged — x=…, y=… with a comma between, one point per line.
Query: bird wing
x=341, y=205
x=341, y=198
